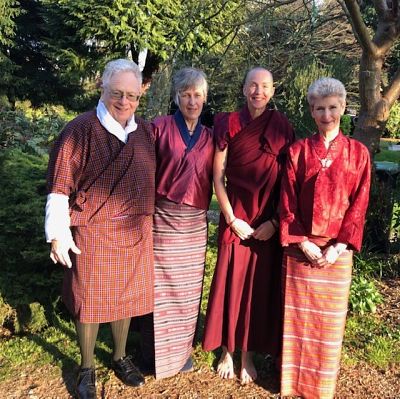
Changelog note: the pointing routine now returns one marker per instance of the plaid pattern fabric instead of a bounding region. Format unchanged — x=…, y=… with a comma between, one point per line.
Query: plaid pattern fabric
x=102, y=176
x=113, y=277
x=111, y=189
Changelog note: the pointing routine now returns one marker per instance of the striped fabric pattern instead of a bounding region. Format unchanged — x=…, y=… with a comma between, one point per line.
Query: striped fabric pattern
x=180, y=238
x=315, y=308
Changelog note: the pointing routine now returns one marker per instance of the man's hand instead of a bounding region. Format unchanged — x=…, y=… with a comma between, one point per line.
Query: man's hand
x=60, y=251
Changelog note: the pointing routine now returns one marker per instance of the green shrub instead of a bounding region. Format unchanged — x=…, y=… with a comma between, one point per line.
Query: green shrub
x=364, y=296
x=379, y=216
x=30, y=318
x=294, y=99
x=345, y=124
x=30, y=129
x=28, y=277
x=6, y=312
x=393, y=122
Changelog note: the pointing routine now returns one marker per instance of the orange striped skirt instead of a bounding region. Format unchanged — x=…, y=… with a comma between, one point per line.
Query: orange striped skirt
x=315, y=308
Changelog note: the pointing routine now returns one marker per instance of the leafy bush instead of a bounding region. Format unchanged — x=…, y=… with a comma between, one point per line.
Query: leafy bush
x=393, y=123
x=364, y=296
x=345, y=124
x=294, y=99
x=30, y=129
x=28, y=282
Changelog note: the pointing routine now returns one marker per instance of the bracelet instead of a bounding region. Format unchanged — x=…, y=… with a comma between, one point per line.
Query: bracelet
x=231, y=222
x=274, y=223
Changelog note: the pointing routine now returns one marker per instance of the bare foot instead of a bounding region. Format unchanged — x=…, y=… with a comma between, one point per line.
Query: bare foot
x=248, y=373
x=225, y=364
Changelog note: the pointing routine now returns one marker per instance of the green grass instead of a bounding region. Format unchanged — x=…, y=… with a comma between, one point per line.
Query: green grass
x=389, y=156
x=369, y=339
x=385, y=154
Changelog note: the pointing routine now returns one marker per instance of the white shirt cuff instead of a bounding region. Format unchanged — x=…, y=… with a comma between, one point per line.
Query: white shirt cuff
x=57, y=220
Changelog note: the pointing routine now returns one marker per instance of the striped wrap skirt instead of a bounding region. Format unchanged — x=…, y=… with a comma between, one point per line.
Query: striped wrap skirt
x=180, y=240
x=315, y=309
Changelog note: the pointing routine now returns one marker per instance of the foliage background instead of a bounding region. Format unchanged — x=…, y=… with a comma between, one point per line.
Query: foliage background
x=51, y=55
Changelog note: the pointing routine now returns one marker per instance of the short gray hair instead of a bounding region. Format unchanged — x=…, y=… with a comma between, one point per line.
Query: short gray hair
x=189, y=78
x=120, y=65
x=326, y=87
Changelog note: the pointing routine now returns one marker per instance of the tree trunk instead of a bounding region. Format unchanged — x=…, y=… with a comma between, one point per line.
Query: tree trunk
x=375, y=99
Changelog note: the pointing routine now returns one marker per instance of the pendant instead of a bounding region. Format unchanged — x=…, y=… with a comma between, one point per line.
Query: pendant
x=326, y=162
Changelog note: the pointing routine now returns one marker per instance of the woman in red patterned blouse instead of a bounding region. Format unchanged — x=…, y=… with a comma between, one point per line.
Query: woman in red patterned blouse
x=324, y=198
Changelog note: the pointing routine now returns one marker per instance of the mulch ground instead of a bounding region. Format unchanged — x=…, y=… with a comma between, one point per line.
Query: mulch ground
x=360, y=381
x=357, y=382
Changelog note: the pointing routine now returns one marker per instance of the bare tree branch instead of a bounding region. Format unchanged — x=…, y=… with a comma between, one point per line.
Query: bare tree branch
x=359, y=27
x=393, y=91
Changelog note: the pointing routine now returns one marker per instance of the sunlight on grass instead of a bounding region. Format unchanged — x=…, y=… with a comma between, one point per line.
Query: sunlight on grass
x=368, y=339
x=385, y=154
x=382, y=351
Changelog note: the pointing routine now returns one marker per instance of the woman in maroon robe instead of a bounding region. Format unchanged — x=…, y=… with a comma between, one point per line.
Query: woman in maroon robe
x=325, y=191
x=244, y=306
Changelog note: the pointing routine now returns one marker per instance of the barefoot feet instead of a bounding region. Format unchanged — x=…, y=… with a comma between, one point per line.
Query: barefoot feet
x=225, y=364
x=248, y=372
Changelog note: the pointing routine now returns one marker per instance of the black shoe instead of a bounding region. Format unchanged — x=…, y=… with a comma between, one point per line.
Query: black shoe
x=146, y=367
x=86, y=384
x=127, y=372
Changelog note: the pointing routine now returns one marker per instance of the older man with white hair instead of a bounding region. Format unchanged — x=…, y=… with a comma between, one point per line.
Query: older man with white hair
x=99, y=219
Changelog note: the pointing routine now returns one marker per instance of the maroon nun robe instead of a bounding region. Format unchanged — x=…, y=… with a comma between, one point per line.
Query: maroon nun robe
x=244, y=305
x=111, y=187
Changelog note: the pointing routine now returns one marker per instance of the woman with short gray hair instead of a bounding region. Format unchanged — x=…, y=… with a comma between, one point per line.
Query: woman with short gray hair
x=326, y=87
x=185, y=150
x=324, y=198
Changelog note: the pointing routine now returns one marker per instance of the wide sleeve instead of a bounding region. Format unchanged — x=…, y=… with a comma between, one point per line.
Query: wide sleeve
x=352, y=228
x=156, y=128
x=221, y=130
x=66, y=160
x=291, y=227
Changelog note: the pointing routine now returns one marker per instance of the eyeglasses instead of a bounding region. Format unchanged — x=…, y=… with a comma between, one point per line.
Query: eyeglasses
x=117, y=95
